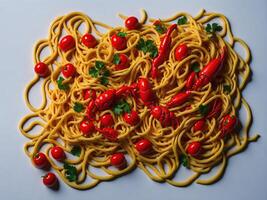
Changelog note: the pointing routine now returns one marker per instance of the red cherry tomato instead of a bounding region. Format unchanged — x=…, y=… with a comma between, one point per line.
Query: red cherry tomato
x=50, y=179
x=124, y=62
x=87, y=127
x=199, y=125
x=68, y=70
x=143, y=146
x=58, y=153
x=181, y=52
x=89, y=94
x=41, y=69
x=118, y=160
x=40, y=160
x=106, y=120
x=227, y=125
x=118, y=42
x=67, y=43
x=131, y=23
x=131, y=118
x=193, y=148
x=89, y=40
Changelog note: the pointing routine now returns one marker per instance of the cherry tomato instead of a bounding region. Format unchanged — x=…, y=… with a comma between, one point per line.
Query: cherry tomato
x=89, y=40
x=131, y=118
x=131, y=23
x=228, y=123
x=50, y=179
x=118, y=160
x=106, y=120
x=143, y=146
x=118, y=42
x=58, y=153
x=67, y=43
x=40, y=160
x=89, y=93
x=87, y=127
x=199, y=125
x=41, y=69
x=193, y=148
x=124, y=62
x=181, y=52
x=68, y=70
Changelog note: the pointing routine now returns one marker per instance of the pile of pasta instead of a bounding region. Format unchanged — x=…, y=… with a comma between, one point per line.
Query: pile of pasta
x=59, y=123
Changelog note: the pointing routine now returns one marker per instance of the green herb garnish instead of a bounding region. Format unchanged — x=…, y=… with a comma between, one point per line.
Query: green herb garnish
x=121, y=106
x=182, y=20
x=100, y=71
x=160, y=28
x=60, y=84
x=70, y=172
x=184, y=160
x=227, y=89
x=195, y=67
x=212, y=28
x=76, y=151
x=203, y=109
x=121, y=34
x=147, y=46
x=116, y=59
x=78, y=107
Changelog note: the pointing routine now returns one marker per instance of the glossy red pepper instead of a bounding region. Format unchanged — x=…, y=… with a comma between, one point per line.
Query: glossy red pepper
x=179, y=99
x=190, y=80
x=40, y=160
x=109, y=133
x=50, y=179
x=118, y=160
x=199, y=125
x=118, y=42
x=164, y=116
x=145, y=91
x=143, y=146
x=68, y=70
x=131, y=118
x=87, y=127
x=181, y=52
x=163, y=53
x=131, y=23
x=216, y=107
x=228, y=124
x=105, y=100
x=67, y=43
x=106, y=120
x=124, y=62
x=89, y=94
x=89, y=40
x=41, y=69
x=194, y=148
x=58, y=153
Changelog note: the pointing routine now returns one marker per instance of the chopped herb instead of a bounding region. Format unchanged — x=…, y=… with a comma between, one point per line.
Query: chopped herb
x=121, y=107
x=160, y=28
x=93, y=72
x=78, y=107
x=104, y=80
x=184, y=160
x=212, y=28
x=203, y=109
x=99, y=65
x=195, y=67
x=70, y=172
x=121, y=34
x=76, y=151
x=147, y=46
x=227, y=89
x=182, y=20
x=116, y=59
x=100, y=71
x=60, y=84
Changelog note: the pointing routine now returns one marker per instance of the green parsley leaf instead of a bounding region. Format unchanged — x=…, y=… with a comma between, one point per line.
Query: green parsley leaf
x=121, y=34
x=160, y=28
x=100, y=71
x=182, y=20
x=93, y=72
x=70, y=172
x=121, y=106
x=99, y=65
x=227, y=89
x=214, y=27
x=78, y=107
x=76, y=151
x=147, y=46
x=184, y=160
x=203, y=109
x=60, y=84
x=105, y=73
x=195, y=67
x=116, y=59
x=104, y=80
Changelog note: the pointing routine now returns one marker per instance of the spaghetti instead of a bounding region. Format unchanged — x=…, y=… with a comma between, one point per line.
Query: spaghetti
x=64, y=106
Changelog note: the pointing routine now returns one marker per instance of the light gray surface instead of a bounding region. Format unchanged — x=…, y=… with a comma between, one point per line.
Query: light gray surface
x=24, y=22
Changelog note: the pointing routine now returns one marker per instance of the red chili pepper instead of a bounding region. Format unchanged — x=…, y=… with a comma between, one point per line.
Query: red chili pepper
x=143, y=146
x=228, y=124
x=87, y=127
x=50, y=180
x=40, y=160
x=131, y=118
x=199, y=125
x=89, y=40
x=179, y=99
x=58, y=153
x=41, y=69
x=105, y=100
x=210, y=70
x=181, y=52
x=145, y=91
x=106, y=120
x=89, y=93
x=164, y=50
x=109, y=133
x=166, y=117
x=131, y=23
x=216, y=108
x=194, y=148
x=67, y=43
x=118, y=160
x=190, y=80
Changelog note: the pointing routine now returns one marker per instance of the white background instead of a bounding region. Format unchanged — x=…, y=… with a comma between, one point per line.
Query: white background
x=23, y=22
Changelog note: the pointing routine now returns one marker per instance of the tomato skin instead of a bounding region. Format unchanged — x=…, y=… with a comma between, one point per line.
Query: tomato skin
x=68, y=70
x=131, y=118
x=89, y=40
x=87, y=127
x=199, y=125
x=227, y=125
x=89, y=93
x=118, y=42
x=131, y=23
x=124, y=62
x=106, y=120
x=40, y=160
x=67, y=43
x=181, y=52
x=118, y=160
x=143, y=146
x=194, y=148
x=50, y=179
x=41, y=69
x=190, y=80
x=58, y=153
